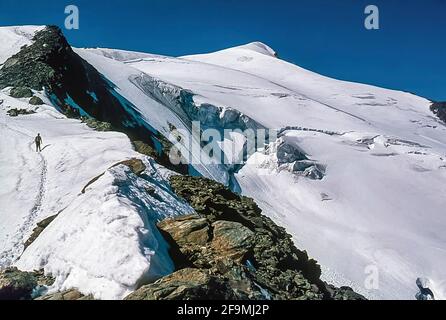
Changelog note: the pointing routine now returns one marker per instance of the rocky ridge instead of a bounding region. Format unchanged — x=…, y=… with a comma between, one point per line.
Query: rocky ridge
x=229, y=250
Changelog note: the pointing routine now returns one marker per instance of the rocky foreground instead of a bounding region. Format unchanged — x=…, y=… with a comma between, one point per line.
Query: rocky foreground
x=227, y=250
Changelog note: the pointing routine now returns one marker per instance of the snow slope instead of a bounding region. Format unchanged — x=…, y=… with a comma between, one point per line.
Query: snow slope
x=103, y=242
x=379, y=204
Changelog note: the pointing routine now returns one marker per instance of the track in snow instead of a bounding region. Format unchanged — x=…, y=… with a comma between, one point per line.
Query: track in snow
x=8, y=257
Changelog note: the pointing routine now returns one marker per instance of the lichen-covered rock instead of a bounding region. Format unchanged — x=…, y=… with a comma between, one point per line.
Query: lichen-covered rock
x=309, y=169
x=77, y=89
x=16, y=285
x=343, y=293
x=287, y=153
x=135, y=165
x=97, y=125
x=21, y=92
x=35, y=101
x=231, y=240
x=186, y=284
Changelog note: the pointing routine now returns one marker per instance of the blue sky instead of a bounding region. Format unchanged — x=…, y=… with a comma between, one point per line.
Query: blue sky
x=407, y=53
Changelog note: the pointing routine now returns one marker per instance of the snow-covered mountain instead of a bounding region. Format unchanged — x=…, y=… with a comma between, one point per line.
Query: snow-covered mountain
x=356, y=174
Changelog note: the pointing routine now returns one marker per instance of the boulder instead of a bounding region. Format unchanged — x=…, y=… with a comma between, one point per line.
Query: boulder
x=135, y=165
x=316, y=172
x=229, y=251
x=35, y=101
x=145, y=149
x=186, y=284
x=439, y=109
x=287, y=153
x=97, y=125
x=13, y=113
x=204, y=244
x=231, y=240
x=19, y=112
x=21, y=92
x=188, y=230
x=68, y=295
x=301, y=166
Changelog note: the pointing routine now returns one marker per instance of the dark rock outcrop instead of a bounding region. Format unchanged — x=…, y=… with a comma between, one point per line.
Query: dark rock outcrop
x=186, y=284
x=144, y=148
x=97, y=125
x=424, y=293
x=16, y=285
x=21, y=92
x=78, y=90
x=287, y=153
x=51, y=64
x=135, y=165
x=67, y=295
x=39, y=229
x=35, y=101
x=20, y=285
x=229, y=250
x=439, y=109
x=42, y=279
x=19, y=112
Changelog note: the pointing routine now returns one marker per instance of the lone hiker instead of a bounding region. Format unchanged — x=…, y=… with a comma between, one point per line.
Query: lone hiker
x=38, y=141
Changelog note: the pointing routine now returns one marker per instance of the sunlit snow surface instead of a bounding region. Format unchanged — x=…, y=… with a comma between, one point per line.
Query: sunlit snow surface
x=380, y=205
